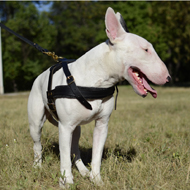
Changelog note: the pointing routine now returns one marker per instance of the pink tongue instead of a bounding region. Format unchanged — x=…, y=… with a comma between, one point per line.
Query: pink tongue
x=148, y=87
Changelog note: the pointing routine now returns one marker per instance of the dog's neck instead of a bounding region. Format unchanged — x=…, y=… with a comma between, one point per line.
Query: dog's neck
x=97, y=68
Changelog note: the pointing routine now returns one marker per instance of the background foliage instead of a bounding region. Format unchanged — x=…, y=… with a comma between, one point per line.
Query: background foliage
x=72, y=28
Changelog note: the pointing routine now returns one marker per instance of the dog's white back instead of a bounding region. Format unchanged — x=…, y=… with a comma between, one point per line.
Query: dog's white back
x=123, y=56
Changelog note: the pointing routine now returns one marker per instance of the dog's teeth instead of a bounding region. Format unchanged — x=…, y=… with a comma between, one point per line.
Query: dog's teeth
x=146, y=91
x=137, y=74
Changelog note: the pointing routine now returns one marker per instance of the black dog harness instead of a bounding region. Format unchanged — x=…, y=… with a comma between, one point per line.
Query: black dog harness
x=71, y=90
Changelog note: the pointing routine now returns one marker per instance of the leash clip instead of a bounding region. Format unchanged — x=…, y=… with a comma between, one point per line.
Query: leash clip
x=70, y=78
x=52, y=54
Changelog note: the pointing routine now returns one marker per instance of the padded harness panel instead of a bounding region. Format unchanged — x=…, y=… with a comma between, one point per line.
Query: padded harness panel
x=71, y=90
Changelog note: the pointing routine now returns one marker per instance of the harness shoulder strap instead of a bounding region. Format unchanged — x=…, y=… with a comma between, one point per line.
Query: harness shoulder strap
x=71, y=83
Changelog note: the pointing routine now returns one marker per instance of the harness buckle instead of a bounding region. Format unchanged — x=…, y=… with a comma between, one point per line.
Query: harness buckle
x=52, y=105
x=70, y=78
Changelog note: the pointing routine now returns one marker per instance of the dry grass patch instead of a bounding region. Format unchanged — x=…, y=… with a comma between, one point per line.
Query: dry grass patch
x=147, y=145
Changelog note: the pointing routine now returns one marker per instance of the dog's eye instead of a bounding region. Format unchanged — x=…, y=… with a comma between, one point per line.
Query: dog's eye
x=146, y=50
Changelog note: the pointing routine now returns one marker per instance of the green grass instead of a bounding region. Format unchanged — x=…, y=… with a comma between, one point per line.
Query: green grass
x=148, y=145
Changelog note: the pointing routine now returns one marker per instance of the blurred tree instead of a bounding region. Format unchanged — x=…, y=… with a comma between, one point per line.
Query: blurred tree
x=72, y=28
x=21, y=62
x=78, y=25
x=173, y=19
x=84, y=25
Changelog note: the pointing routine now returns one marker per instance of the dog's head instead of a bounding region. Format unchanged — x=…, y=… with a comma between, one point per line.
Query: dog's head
x=135, y=55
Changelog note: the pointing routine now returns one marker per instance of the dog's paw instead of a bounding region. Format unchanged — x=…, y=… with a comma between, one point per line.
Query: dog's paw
x=64, y=183
x=37, y=161
x=37, y=165
x=85, y=172
x=96, y=179
x=82, y=168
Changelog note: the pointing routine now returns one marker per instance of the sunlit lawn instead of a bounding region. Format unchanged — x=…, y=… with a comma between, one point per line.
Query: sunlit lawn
x=148, y=145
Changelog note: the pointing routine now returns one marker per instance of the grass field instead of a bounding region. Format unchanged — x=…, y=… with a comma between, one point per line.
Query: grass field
x=148, y=145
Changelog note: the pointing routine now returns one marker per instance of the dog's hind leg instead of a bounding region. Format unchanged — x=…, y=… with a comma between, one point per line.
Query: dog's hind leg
x=36, y=117
x=76, y=152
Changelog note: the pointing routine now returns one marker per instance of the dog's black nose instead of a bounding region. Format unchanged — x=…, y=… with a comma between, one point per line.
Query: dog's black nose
x=169, y=79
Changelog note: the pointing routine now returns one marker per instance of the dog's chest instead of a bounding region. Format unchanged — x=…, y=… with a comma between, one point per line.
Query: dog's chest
x=90, y=115
x=72, y=112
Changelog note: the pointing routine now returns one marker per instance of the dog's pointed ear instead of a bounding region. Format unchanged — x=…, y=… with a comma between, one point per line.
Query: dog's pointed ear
x=122, y=21
x=114, y=29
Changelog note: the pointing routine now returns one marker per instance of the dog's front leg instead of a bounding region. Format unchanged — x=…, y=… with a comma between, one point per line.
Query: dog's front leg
x=99, y=138
x=65, y=138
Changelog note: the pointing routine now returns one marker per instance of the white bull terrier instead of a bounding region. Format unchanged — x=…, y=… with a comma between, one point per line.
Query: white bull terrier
x=123, y=56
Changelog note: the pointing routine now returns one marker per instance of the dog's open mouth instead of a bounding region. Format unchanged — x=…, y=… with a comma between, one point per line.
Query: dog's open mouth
x=140, y=83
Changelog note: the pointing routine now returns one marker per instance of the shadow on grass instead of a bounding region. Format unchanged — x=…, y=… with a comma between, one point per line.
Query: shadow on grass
x=86, y=153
